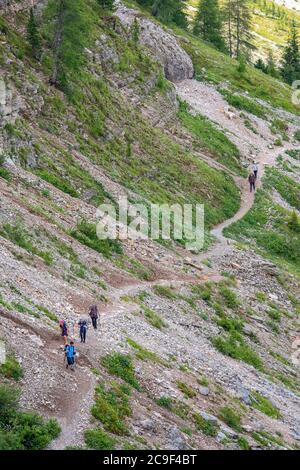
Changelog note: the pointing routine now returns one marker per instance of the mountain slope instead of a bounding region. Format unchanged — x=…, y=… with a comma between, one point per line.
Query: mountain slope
x=194, y=350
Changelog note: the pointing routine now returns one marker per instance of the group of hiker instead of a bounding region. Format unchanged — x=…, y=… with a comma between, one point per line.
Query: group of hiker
x=253, y=176
x=69, y=347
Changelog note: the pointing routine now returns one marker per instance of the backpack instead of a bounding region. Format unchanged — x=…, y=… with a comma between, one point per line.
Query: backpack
x=70, y=350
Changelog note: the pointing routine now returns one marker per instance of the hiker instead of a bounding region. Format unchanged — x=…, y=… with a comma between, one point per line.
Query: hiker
x=255, y=169
x=70, y=353
x=94, y=315
x=252, y=180
x=82, y=330
x=64, y=330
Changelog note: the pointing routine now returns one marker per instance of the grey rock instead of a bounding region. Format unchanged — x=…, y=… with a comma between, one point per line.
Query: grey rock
x=204, y=390
x=164, y=46
x=244, y=395
x=176, y=439
x=209, y=417
x=148, y=425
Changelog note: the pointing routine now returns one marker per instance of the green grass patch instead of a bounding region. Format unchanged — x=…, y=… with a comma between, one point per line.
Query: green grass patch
x=86, y=234
x=208, y=137
x=264, y=405
x=20, y=237
x=144, y=354
x=245, y=104
x=187, y=390
x=11, y=369
x=165, y=291
x=267, y=226
x=121, y=366
x=233, y=345
x=208, y=427
x=231, y=418
x=112, y=406
x=98, y=439
x=153, y=318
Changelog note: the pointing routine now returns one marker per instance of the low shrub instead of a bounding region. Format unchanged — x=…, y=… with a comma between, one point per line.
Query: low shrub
x=121, y=366
x=98, y=439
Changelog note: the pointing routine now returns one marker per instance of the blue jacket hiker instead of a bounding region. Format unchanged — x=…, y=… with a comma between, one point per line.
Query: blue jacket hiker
x=70, y=353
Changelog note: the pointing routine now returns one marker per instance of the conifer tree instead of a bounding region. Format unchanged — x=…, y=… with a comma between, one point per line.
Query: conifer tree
x=107, y=4
x=237, y=17
x=33, y=36
x=291, y=57
x=168, y=11
x=208, y=23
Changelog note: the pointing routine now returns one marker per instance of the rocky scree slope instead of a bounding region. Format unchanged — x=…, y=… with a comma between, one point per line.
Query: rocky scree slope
x=196, y=349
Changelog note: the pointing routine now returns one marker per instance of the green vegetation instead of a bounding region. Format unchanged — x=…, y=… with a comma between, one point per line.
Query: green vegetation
x=98, y=439
x=153, y=318
x=234, y=345
x=187, y=390
x=121, y=366
x=165, y=291
x=19, y=430
x=19, y=236
x=231, y=418
x=243, y=103
x=4, y=173
x=229, y=297
x=216, y=67
x=288, y=188
x=11, y=368
x=111, y=407
x=144, y=354
x=58, y=182
x=203, y=291
x=243, y=443
x=86, y=233
x=165, y=402
x=266, y=224
x=265, y=439
x=264, y=405
x=261, y=296
x=208, y=137
x=208, y=427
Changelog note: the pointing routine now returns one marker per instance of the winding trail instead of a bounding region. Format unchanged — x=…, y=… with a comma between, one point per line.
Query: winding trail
x=77, y=416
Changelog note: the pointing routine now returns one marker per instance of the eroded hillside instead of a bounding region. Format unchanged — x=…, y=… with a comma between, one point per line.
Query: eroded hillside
x=194, y=350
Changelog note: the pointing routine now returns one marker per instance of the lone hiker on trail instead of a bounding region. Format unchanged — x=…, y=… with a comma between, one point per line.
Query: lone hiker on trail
x=255, y=169
x=64, y=330
x=94, y=315
x=70, y=354
x=82, y=330
x=252, y=180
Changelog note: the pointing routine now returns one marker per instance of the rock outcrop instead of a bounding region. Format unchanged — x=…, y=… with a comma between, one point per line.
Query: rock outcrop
x=164, y=47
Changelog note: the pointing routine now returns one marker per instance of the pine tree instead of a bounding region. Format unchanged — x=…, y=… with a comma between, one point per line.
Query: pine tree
x=135, y=31
x=237, y=17
x=107, y=4
x=70, y=29
x=208, y=23
x=271, y=66
x=168, y=11
x=259, y=64
x=291, y=57
x=33, y=36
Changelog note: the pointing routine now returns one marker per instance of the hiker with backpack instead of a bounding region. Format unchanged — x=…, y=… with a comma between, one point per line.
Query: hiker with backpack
x=94, y=316
x=64, y=330
x=70, y=354
x=252, y=180
x=82, y=330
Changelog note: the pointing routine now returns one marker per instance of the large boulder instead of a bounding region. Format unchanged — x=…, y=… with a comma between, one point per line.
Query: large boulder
x=164, y=47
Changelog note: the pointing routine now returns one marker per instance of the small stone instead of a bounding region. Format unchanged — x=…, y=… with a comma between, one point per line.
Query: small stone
x=204, y=390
